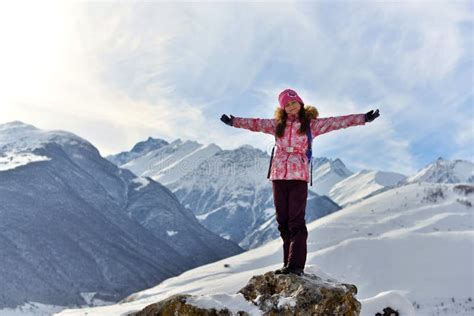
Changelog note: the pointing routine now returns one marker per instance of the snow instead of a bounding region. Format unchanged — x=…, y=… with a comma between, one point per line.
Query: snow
x=11, y=160
x=19, y=140
x=286, y=301
x=269, y=212
x=243, y=204
x=445, y=171
x=91, y=301
x=204, y=216
x=39, y=309
x=376, y=304
x=225, y=236
x=171, y=162
x=361, y=184
x=20, y=137
x=327, y=174
x=143, y=182
x=399, y=248
x=31, y=309
x=233, y=302
x=171, y=232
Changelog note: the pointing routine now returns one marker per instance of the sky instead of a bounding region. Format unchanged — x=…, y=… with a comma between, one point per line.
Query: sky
x=117, y=72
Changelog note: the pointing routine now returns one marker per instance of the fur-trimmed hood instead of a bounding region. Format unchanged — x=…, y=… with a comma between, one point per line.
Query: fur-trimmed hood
x=310, y=111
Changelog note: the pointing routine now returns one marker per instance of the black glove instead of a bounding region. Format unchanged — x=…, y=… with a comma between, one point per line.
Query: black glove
x=227, y=120
x=371, y=115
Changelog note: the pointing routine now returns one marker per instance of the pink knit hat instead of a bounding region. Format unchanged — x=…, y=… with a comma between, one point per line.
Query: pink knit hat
x=288, y=95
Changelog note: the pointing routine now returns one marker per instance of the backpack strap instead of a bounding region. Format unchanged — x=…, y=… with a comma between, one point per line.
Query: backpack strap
x=309, y=152
x=271, y=158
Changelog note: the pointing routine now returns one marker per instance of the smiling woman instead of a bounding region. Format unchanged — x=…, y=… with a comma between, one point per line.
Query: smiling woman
x=294, y=126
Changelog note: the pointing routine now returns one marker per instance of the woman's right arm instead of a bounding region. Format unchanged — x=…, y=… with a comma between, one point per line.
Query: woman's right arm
x=255, y=124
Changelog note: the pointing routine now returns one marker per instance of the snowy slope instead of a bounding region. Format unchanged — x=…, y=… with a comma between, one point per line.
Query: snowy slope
x=445, y=171
x=326, y=173
x=169, y=163
x=75, y=223
x=361, y=184
x=414, y=241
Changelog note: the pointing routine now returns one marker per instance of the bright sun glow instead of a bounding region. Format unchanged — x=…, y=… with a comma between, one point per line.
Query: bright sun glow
x=33, y=42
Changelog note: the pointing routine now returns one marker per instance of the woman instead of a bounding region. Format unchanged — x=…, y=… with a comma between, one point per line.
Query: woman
x=289, y=170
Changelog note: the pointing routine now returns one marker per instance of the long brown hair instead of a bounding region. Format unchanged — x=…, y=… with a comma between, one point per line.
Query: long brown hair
x=305, y=115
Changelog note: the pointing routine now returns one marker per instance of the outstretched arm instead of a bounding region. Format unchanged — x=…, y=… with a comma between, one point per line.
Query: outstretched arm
x=255, y=124
x=324, y=125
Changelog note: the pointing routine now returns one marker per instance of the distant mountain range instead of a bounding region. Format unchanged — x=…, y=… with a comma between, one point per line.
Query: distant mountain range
x=71, y=222
x=230, y=194
x=445, y=171
x=227, y=190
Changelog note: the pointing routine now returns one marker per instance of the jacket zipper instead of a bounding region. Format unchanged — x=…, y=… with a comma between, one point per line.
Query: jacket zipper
x=288, y=154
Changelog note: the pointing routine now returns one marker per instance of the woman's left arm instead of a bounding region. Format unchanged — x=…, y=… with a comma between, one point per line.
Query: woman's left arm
x=324, y=125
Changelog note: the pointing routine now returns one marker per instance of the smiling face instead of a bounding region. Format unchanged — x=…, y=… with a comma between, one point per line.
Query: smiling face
x=292, y=107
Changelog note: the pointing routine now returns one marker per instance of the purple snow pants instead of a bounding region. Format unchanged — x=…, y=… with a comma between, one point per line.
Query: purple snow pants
x=290, y=197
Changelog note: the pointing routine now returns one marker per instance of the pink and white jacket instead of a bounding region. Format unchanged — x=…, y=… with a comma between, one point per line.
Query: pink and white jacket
x=289, y=159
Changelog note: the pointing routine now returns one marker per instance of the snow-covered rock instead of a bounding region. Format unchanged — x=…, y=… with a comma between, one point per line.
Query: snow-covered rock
x=267, y=294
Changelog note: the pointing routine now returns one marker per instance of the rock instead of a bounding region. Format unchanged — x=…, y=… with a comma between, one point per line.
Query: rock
x=288, y=294
x=282, y=295
x=388, y=312
x=177, y=305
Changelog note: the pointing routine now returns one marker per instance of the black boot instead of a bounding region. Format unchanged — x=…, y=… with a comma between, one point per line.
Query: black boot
x=281, y=270
x=288, y=270
x=296, y=271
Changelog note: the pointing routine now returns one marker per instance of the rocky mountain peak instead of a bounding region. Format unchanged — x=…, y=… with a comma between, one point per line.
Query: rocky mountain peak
x=148, y=145
x=445, y=171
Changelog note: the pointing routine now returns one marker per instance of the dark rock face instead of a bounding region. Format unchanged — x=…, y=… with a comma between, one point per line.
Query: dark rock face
x=388, y=311
x=276, y=295
x=465, y=189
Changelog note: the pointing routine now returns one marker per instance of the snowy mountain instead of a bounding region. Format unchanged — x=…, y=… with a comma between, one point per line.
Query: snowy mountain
x=73, y=223
x=171, y=162
x=413, y=242
x=326, y=173
x=227, y=190
x=446, y=171
x=140, y=148
x=362, y=184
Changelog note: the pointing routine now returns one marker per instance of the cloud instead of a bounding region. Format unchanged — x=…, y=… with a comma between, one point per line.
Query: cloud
x=118, y=72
